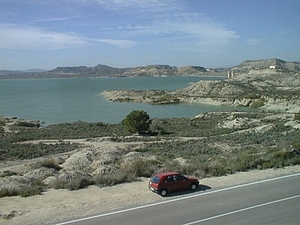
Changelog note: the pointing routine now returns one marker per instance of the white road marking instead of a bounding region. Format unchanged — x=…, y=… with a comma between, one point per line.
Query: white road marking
x=241, y=210
x=178, y=199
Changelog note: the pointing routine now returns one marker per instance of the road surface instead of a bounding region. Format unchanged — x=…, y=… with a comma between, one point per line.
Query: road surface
x=274, y=201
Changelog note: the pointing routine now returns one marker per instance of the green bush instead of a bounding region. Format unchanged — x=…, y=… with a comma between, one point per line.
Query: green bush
x=253, y=96
x=2, y=122
x=297, y=116
x=35, y=188
x=7, y=173
x=74, y=184
x=31, y=191
x=139, y=168
x=110, y=179
x=138, y=121
x=257, y=104
x=165, y=99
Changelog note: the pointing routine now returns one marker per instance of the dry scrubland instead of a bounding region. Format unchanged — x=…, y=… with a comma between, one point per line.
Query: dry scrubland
x=98, y=162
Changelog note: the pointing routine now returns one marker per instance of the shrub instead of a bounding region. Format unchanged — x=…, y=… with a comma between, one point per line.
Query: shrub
x=297, y=116
x=137, y=121
x=74, y=184
x=139, y=168
x=35, y=188
x=253, y=96
x=166, y=99
x=31, y=191
x=2, y=122
x=50, y=163
x=5, y=192
x=7, y=173
x=257, y=104
x=110, y=179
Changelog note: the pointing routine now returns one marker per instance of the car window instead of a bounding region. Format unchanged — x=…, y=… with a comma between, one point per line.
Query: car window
x=169, y=179
x=155, y=179
x=179, y=178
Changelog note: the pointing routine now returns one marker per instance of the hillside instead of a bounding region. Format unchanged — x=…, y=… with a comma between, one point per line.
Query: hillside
x=91, y=156
x=106, y=71
x=247, y=65
x=153, y=70
x=263, y=89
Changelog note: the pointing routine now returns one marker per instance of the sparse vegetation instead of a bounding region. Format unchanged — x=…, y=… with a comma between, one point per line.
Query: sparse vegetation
x=253, y=96
x=72, y=184
x=257, y=104
x=201, y=146
x=50, y=163
x=110, y=179
x=165, y=99
x=36, y=187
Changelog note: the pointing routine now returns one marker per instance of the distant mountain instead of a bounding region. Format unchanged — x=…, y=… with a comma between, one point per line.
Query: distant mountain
x=106, y=70
x=10, y=72
x=247, y=65
x=141, y=71
x=34, y=71
x=76, y=69
x=99, y=70
x=193, y=70
x=150, y=70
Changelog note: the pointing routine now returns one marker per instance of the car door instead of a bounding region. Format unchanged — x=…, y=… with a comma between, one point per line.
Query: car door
x=180, y=182
x=170, y=184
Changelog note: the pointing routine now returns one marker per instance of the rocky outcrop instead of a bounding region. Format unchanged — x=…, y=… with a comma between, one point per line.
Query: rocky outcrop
x=86, y=163
x=247, y=90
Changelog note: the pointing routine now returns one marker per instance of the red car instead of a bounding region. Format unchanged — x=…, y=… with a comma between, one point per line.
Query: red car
x=163, y=183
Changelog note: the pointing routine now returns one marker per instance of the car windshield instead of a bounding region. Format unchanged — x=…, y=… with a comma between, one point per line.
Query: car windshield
x=155, y=179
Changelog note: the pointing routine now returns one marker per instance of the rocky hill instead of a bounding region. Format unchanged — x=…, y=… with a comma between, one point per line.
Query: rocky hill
x=156, y=70
x=151, y=70
x=279, y=64
x=140, y=71
x=106, y=71
x=277, y=90
x=100, y=70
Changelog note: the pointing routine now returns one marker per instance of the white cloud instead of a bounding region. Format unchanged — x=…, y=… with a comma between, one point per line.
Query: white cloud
x=167, y=20
x=137, y=6
x=24, y=37
x=132, y=21
x=118, y=43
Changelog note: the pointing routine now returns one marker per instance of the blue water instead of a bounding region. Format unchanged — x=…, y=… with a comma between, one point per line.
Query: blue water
x=73, y=99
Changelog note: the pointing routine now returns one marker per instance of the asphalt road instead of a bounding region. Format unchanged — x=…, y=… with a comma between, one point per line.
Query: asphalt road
x=274, y=201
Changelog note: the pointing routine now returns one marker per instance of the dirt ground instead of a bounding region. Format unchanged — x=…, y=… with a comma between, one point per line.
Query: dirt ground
x=54, y=206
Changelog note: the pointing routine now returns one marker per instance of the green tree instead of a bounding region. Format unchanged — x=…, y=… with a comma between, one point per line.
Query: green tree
x=137, y=121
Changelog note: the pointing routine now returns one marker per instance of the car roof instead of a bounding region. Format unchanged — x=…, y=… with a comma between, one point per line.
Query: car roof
x=166, y=174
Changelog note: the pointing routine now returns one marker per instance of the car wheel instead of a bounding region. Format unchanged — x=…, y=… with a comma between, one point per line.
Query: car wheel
x=163, y=192
x=194, y=186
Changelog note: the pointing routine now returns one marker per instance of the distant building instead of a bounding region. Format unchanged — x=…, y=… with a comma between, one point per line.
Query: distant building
x=274, y=67
x=230, y=74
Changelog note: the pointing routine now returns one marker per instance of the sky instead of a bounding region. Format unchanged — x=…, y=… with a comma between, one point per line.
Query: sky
x=46, y=34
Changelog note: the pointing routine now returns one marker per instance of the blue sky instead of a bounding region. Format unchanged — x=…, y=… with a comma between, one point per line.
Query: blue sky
x=126, y=33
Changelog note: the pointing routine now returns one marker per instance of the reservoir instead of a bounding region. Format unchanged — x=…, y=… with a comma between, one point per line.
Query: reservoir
x=79, y=99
